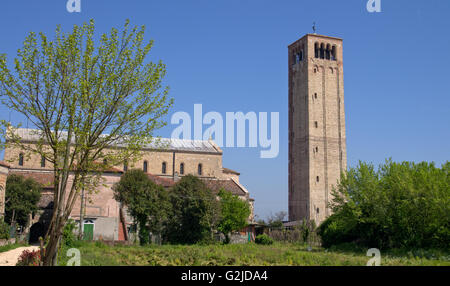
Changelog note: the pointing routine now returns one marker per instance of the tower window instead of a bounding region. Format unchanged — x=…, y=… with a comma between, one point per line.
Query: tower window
x=316, y=50
x=317, y=149
x=42, y=161
x=317, y=179
x=317, y=210
x=200, y=169
x=328, y=52
x=21, y=159
x=322, y=51
x=333, y=53
x=316, y=124
x=182, y=169
x=315, y=95
x=164, y=167
x=145, y=167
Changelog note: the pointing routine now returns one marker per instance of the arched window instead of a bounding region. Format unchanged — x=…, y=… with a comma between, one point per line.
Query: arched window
x=164, y=167
x=316, y=50
x=200, y=167
x=322, y=51
x=333, y=53
x=21, y=159
x=145, y=167
x=328, y=52
x=125, y=166
x=42, y=161
x=182, y=169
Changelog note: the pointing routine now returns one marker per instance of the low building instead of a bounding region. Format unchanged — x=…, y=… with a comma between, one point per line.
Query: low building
x=104, y=218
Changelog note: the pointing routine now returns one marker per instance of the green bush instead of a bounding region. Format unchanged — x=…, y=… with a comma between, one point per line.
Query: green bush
x=69, y=237
x=400, y=205
x=4, y=230
x=263, y=239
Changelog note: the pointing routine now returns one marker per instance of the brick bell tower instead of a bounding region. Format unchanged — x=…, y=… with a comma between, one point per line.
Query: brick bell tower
x=317, y=148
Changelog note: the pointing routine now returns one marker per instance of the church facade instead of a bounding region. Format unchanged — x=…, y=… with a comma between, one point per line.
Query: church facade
x=104, y=217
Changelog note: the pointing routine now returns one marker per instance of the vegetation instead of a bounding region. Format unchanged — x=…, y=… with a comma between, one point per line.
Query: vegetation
x=251, y=254
x=72, y=92
x=12, y=246
x=234, y=213
x=29, y=258
x=22, y=196
x=195, y=212
x=69, y=238
x=147, y=203
x=263, y=239
x=4, y=229
x=402, y=205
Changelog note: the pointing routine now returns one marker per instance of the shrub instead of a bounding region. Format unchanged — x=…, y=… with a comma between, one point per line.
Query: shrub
x=400, y=205
x=4, y=230
x=263, y=239
x=29, y=258
x=69, y=237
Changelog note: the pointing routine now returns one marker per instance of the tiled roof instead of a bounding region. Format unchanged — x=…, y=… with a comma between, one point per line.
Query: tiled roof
x=170, y=144
x=161, y=181
x=228, y=185
x=46, y=179
x=4, y=164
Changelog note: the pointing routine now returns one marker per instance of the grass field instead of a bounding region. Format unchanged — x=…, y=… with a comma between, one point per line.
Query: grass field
x=11, y=247
x=99, y=254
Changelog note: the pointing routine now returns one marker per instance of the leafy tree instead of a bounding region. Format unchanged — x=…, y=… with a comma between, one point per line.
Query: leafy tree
x=276, y=220
x=74, y=91
x=147, y=202
x=234, y=213
x=195, y=212
x=22, y=196
x=400, y=205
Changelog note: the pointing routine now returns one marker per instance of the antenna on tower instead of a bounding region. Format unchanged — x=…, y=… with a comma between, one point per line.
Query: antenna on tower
x=314, y=27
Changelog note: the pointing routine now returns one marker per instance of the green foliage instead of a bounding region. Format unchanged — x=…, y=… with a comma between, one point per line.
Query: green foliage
x=4, y=230
x=402, y=205
x=22, y=196
x=195, y=212
x=234, y=213
x=74, y=89
x=147, y=202
x=263, y=239
x=69, y=237
x=249, y=254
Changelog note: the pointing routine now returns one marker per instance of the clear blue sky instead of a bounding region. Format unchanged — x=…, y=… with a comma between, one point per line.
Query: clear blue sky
x=232, y=56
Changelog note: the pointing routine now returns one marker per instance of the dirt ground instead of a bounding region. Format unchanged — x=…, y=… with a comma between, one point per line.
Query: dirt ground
x=9, y=258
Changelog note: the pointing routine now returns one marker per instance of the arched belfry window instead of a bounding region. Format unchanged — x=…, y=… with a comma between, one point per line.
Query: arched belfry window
x=200, y=169
x=333, y=53
x=322, y=51
x=328, y=52
x=164, y=168
x=182, y=169
x=316, y=50
x=145, y=167
x=21, y=159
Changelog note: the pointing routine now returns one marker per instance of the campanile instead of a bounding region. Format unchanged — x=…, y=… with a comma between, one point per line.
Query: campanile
x=317, y=148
